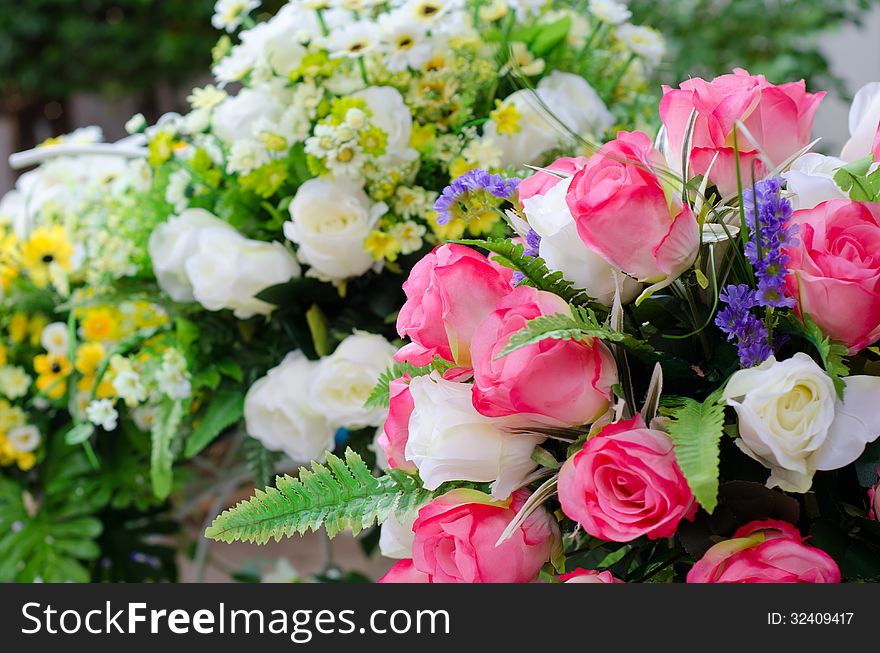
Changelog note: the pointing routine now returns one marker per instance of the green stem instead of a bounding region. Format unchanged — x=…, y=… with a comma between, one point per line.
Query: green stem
x=324, y=30
x=609, y=89
x=363, y=66
x=742, y=209
x=91, y=455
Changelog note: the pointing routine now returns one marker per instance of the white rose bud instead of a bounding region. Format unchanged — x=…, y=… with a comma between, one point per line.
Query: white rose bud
x=396, y=536
x=278, y=414
x=329, y=222
x=562, y=249
x=864, y=121
x=811, y=179
x=345, y=379
x=172, y=243
x=227, y=270
x=234, y=117
x=450, y=441
x=793, y=423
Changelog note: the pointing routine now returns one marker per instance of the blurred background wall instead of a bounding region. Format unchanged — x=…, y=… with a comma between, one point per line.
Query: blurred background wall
x=72, y=63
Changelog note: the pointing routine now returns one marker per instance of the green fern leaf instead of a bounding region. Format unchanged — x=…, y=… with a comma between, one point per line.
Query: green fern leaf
x=168, y=418
x=338, y=495
x=512, y=255
x=696, y=429
x=380, y=394
x=832, y=352
x=581, y=324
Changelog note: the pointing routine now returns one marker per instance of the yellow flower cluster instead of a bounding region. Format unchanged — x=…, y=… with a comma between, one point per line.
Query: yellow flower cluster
x=18, y=440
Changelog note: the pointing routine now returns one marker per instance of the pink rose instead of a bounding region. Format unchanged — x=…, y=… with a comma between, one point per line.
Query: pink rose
x=625, y=483
x=554, y=382
x=404, y=572
x=779, y=118
x=625, y=214
x=874, y=500
x=589, y=576
x=395, y=433
x=540, y=182
x=448, y=292
x=768, y=551
x=835, y=270
x=455, y=538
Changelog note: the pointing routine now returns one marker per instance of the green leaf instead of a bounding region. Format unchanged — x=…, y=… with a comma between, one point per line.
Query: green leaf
x=259, y=461
x=696, y=429
x=581, y=324
x=832, y=352
x=317, y=322
x=856, y=180
x=536, y=273
x=187, y=332
x=338, y=495
x=167, y=420
x=226, y=409
x=79, y=433
x=550, y=36
x=230, y=368
x=380, y=394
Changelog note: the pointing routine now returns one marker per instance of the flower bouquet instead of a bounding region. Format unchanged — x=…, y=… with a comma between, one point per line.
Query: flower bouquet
x=666, y=371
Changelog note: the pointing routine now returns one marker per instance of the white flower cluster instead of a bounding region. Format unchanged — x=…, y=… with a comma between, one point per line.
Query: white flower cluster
x=299, y=405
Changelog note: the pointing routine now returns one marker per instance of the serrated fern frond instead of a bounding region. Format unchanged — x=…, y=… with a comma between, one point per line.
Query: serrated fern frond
x=338, y=495
x=380, y=394
x=696, y=429
x=581, y=324
x=512, y=255
x=832, y=352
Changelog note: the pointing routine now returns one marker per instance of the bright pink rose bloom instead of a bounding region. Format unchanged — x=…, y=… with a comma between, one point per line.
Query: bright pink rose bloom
x=625, y=214
x=874, y=500
x=448, y=292
x=455, y=538
x=395, y=433
x=779, y=119
x=540, y=182
x=404, y=572
x=554, y=382
x=625, y=483
x=589, y=576
x=835, y=270
x=875, y=147
x=768, y=551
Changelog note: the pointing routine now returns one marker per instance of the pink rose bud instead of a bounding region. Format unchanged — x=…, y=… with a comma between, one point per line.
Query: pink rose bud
x=589, y=576
x=540, y=182
x=778, y=118
x=625, y=483
x=630, y=216
x=456, y=535
x=835, y=270
x=554, y=382
x=874, y=500
x=404, y=572
x=768, y=551
x=395, y=433
x=448, y=292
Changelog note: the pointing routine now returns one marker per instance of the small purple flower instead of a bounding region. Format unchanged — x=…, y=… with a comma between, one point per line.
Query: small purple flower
x=767, y=215
x=737, y=321
x=471, y=190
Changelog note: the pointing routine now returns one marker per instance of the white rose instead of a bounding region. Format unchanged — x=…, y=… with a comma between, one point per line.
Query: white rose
x=345, y=379
x=278, y=414
x=562, y=249
x=396, y=536
x=793, y=423
x=227, y=270
x=864, y=120
x=235, y=116
x=392, y=116
x=569, y=98
x=811, y=179
x=172, y=243
x=330, y=221
x=450, y=441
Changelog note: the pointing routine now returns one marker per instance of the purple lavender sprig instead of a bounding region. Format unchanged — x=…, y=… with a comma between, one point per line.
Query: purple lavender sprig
x=767, y=215
x=532, y=245
x=473, y=190
x=737, y=321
